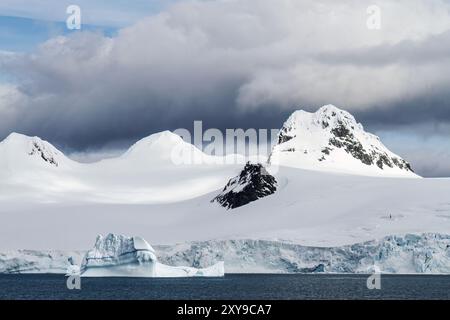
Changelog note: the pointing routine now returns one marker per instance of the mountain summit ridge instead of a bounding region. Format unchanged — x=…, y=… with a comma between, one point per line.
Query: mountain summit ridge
x=331, y=139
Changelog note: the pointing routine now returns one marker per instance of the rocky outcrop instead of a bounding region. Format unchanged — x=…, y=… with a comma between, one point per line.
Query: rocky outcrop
x=45, y=154
x=253, y=183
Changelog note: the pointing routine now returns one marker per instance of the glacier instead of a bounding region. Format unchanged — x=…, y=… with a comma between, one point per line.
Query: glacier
x=427, y=253
x=410, y=253
x=38, y=261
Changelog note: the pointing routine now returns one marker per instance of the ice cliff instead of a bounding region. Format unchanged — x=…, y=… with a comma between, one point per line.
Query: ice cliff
x=424, y=254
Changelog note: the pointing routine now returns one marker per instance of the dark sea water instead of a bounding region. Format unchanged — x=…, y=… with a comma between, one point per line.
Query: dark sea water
x=232, y=286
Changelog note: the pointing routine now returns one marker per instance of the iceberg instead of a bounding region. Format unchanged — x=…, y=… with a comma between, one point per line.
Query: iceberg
x=122, y=256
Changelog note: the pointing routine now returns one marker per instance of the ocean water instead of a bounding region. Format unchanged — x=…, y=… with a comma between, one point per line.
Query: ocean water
x=232, y=286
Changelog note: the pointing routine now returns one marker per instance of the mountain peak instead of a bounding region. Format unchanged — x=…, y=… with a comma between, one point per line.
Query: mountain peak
x=331, y=109
x=163, y=138
x=328, y=116
x=331, y=139
x=15, y=137
x=164, y=146
x=331, y=112
x=19, y=146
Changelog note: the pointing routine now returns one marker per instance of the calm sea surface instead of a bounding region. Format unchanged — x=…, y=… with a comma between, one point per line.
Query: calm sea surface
x=232, y=286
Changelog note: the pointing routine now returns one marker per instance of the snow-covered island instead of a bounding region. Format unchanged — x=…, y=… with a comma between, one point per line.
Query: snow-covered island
x=339, y=201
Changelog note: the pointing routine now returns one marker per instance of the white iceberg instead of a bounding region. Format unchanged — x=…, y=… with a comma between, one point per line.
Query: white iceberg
x=121, y=256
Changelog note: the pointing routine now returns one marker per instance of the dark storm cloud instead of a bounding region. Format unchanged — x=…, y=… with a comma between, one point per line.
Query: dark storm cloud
x=232, y=64
x=431, y=109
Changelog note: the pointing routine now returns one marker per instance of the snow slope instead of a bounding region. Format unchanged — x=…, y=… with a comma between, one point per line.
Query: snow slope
x=331, y=140
x=309, y=207
x=157, y=169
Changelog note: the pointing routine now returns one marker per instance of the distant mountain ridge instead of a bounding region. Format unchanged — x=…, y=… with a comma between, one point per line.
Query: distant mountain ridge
x=163, y=167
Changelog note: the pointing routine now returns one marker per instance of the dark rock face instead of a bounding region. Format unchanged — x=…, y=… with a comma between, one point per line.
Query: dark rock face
x=284, y=136
x=37, y=149
x=253, y=183
x=344, y=138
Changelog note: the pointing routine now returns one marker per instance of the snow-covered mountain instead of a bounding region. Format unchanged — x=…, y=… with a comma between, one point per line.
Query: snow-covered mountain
x=20, y=152
x=32, y=169
x=165, y=148
x=159, y=168
x=332, y=140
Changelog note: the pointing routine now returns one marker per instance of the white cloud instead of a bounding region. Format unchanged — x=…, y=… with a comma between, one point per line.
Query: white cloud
x=10, y=100
x=197, y=44
x=350, y=86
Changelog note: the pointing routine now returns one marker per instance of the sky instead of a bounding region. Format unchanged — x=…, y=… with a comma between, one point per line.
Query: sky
x=143, y=66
